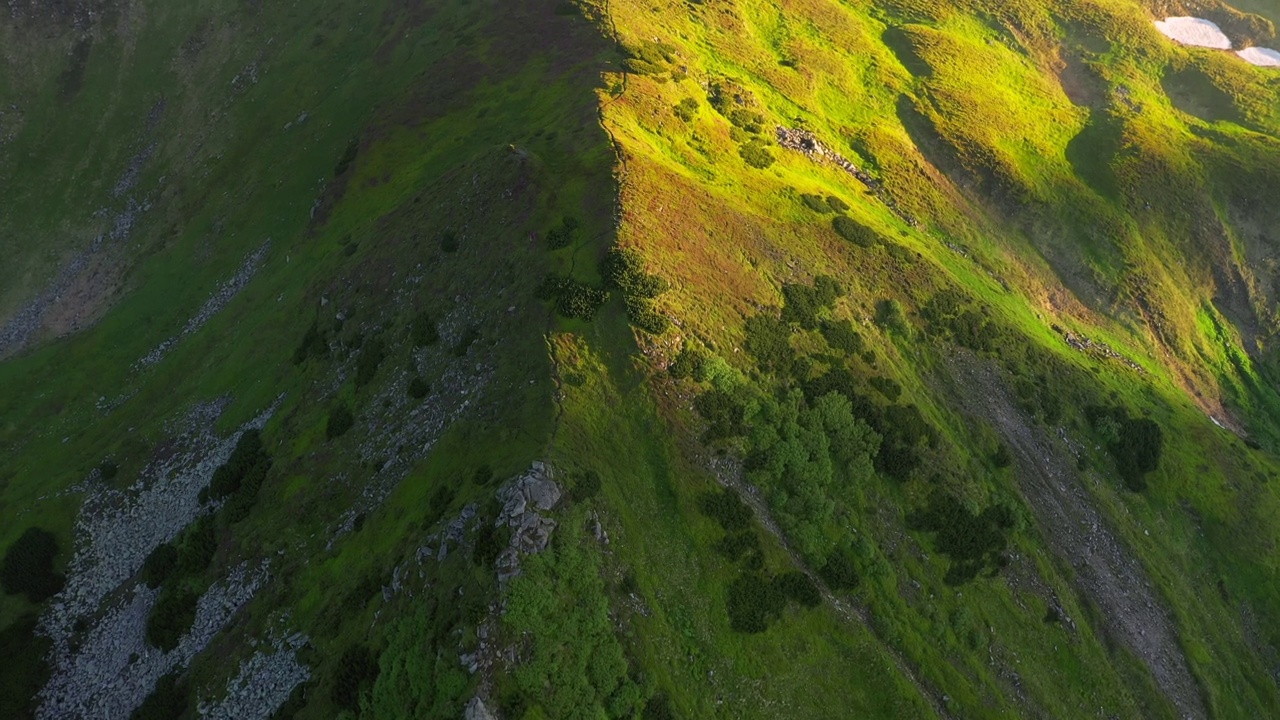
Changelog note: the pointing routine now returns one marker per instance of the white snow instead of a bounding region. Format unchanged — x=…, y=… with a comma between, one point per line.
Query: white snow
x=1194, y=31
x=1266, y=57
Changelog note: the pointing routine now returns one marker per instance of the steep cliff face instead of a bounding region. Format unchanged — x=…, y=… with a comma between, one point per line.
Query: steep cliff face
x=665, y=359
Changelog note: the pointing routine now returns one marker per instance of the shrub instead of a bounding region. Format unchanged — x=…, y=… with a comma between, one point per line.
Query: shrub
x=170, y=699
x=490, y=542
x=748, y=120
x=726, y=508
x=160, y=565
x=724, y=414
x=171, y=618
x=753, y=603
x=355, y=673
x=108, y=470
x=686, y=109
x=973, y=541
x=735, y=546
x=470, y=334
x=424, y=330
x=840, y=572
x=642, y=315
x=891, y=317
x=769, y=342
x=449, y=241
x=562, y=236
x=26, y=668
x=340, y=421
x=1134, y=443
x=198, y=545
x=756, y=154
x=580, y=301
x=28, y=566
x=836, y=204
x=483, y=475
x=686, y=362
x=658, y=707
x=800, y=588
x=840, y=335
x=802, y=303
x=419, y=388
x=887, y=387
x=313, y=345
x=623, y=269
x=815, y=203
x=586, y=485
x=374, y=352
x=854, y=232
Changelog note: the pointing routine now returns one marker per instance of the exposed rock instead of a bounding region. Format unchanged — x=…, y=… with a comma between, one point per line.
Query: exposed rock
x=476, y=710
x=521, y=501
x=263, y=683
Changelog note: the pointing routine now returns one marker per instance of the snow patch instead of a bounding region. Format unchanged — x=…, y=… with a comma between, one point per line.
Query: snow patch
x=1263, y=57
x=1194, y=31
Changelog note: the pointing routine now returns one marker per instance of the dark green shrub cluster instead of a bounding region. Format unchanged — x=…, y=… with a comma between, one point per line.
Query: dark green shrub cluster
x=840, y=571
x=816, y=203
x=726, y=508
x=470, y=334
x=108, y=470
x=418, y=388
x=854, y=231
x=688, y=363
x=561, y=236
x=354, y=675
x=741, y=547
x=585, y=485
x=902, y=430
x=840, y=335
x=371, y=357
x=974, y=541
x=313, y=345
x=172, y=616
x=424, y=331
x=686, y=109
x=248, y=459
x=1134, y=443
x=340, y=421
x=172, y=698
x=26, y=668
x=887, y=387
x=160, y=565
x=572, y=299
x=953, y=316
x=724, y=413
x=754, y=602
x=837, y=205
x=748, y=120
x=755, y=152
x=649, y=58
x=623, y=269
x=27, y=568
x=490, y=542
x=768, y=340
x=802, y=303
x=449, y=241
x=196, y=546
x=658, y=707
x=799, y=588
x=891, y=316
x=348, y=156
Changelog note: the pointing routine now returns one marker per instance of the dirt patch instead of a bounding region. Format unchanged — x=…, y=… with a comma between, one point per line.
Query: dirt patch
x=1106, y=571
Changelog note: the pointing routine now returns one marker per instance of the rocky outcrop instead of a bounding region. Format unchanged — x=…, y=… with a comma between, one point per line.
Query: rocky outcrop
x=523, y=502
x=263, y=684
x=476, y=710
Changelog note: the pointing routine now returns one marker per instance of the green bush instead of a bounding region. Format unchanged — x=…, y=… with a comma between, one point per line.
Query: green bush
x=840, y=335
x=816, y=203
x=724, y=414
x=887, y=387
x=108, y=470
x=623, y=269
x=313, y=345
x=854, y=232
x=1134, y=443
x=196, y=547
x=586, y=485
x=739, y=545
x=756, y=154
x=800, y=588
x=891, y=317
x=340, y=421
x=354, y=675
x=658, y=707
x=769, y=342
x=449, y=241
x=27, y=568
x=643, y=315
x=753, y=603
x=973, y=541
x=686, y=363
x=160, y=565
x=424, y=330
x=726, y=508
x=840, y=571
x=26, y=668
x=171, y=699
x=561, y=236
x=802, y=303
x=686, y=109
x=371, y=357
x=419, y=388
x=836, y=204
x=172, y=616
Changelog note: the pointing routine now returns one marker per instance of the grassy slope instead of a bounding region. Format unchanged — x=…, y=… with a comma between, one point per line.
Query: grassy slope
x=912, y=90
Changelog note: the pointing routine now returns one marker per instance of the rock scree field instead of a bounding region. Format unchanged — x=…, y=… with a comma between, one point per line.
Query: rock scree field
x=615, y=359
